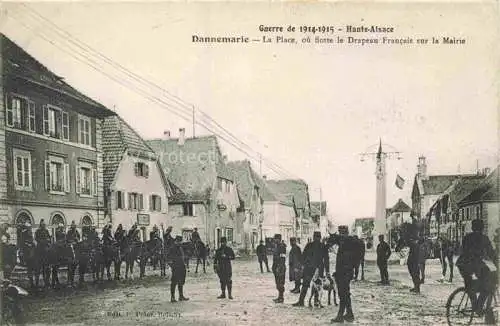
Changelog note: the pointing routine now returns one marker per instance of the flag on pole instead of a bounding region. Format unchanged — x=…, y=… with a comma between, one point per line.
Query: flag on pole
x=400, y=182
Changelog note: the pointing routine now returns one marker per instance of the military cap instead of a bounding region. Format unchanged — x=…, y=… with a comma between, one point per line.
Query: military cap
x=277, y=236
x=223, y=239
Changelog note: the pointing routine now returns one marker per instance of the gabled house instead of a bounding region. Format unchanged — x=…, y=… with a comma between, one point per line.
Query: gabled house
x=443, y=214
x=136, y=189
x=482, y=202
x=398, y=214
x=251, y=204
x=426, y=190
x=50, y=146
x=299, y=190
x=205, y=195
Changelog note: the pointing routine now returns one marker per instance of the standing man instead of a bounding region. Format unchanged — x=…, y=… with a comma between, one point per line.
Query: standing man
x=315, y=256
x=383, y=254
x=262, y=256
x=168, y=240
x=295, y=265
x=73, y=234
x=119, y=234
x=60, y=234
x=279, y=267
x=42, y=236
x=176, y=255
x=447, y=253
x=362, y=251
x=347, y=256
x=222, y=266
x=195, y=236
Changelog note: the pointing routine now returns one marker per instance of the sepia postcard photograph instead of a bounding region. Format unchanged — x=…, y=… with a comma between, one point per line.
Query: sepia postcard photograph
x=249, y=163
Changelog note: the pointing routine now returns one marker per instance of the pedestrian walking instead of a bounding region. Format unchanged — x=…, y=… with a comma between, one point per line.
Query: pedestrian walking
x=295, y=265
x=362, y=251
x=262, y=256
x=347, y=254
x=223, y=268
x=446, y=257
x=178, y=279
x=383, y=254
x=315, y=256
x=279, y=267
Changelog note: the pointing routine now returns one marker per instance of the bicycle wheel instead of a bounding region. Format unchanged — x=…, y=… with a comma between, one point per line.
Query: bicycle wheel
x=459, y=308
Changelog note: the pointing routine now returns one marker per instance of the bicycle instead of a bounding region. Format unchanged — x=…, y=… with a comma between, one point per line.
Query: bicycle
x=462, y=314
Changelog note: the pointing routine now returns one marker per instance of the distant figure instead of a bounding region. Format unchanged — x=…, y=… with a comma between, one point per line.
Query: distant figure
x=446, y=256
x=176, y=257
x=279, y=267
x=295, y=265
x=262, y=256
x=222, y=266
x=195, y=236
x=73, y=234
x=383, y=254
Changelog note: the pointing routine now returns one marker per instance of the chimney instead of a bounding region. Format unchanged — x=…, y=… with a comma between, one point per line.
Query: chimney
x=182, y=135
x=264, y=177
x=166, y=134
x=422, y=168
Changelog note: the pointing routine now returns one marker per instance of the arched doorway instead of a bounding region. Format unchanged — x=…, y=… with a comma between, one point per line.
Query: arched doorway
x=21, y=218
x=86, y=226
x=56, y=220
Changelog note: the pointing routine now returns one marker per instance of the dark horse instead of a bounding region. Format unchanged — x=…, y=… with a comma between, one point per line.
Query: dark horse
x=9, y=258
x=196, y=250
x=154, y=250
x=132, y=252
x=87, y=255
x=61, y=254
x=112, y=253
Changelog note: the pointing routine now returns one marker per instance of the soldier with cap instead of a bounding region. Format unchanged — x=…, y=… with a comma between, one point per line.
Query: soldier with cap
x=295, y=265
x=279, y=267
x=195, y=236
x=73, y=234
x=93, y=237
x=107, y=237
x=262, y=256
x=60, y=234
x=315, y=257
x=222, y=266
x=177, y=263
x=42, y=236
x=347, y=257
x=119, y=233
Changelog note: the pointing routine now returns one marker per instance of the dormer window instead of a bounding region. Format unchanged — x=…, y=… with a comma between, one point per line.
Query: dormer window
x=141, y=169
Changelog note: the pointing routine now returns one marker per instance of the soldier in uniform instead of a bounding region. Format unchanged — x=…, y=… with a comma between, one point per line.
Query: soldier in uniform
x=60, y=234
x=42, y=236
x=73, y=235
x=176, y=255
x=195, y=236
x=383, y=254
x=155, y=234
x=133, y=234
x=262, y=256
x=107, y=237
x=295, y=265
x=315, y=256
x=222, y=266
x=26, y=240
x=347, y=257
x=279, y=267
x=119, y=233
x=447, y=252
x=93, y=237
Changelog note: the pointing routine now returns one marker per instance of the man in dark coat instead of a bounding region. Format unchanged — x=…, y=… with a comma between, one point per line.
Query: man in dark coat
x=73, y=234
x=42, y=236
x=383, y=254
x=362, y=251
x=107, y=237
x=222, y=266
x=262, y=256
x=315, y=256
x=279, y=267
x=26, y=241
x=446, y=256
x=168, y=240
x=176, y=261
x=347, y=257
x=195, y=236
x=60, y=234
x=295, y=265
x=119, y=233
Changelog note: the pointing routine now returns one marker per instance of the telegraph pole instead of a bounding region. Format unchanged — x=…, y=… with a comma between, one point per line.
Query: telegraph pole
x=380, y=226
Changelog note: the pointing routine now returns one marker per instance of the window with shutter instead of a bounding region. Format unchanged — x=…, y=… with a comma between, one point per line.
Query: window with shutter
x=141, y=202
x=45, y=120
x=65, y=126
x=151, y=203
x=130, y=201
x=159, y=203
x=47, y=175
x=77, y=178
x=31, y=116
x=66, y=178
x=146, y=170
x=94, y=182
x=22, y=170
x=123, y=200
x=118, y=200
x=136, y=169
x=10, y=114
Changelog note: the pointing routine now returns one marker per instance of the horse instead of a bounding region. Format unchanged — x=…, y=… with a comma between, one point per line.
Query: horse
x=37, y=261
x=152, y=249
x=362, y=251
x=112, y=253
x=133, y=251
x=85, y=252
x=61, y=254
x=197, y=250
x=9, y=258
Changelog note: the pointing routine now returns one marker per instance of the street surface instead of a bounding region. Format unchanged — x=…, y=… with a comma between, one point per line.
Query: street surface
x=147, y=302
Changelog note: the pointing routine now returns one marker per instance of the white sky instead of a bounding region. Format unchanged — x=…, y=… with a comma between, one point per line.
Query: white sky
x=311, y=109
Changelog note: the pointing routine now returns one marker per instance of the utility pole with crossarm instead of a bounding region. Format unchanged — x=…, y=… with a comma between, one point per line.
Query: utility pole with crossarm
x=380, y=156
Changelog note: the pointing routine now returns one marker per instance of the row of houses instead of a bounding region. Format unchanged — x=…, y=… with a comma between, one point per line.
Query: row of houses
x=447, y=204
x=65, y=157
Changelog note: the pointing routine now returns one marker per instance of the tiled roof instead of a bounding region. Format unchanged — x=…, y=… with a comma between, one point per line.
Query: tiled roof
x=400, y=206
x=291, y=187
x=487, y=191
x=437, y=184
x=18, y=63
x=244, y=179
x=192, y=166
x=118, y=137
x=315, y=208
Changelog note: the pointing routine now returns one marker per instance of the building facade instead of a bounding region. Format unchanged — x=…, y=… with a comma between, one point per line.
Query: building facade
x=136, y=189
x=51, y=139
x=205, y=195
